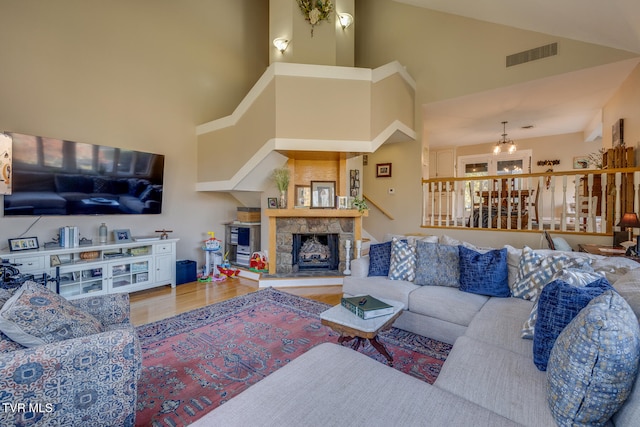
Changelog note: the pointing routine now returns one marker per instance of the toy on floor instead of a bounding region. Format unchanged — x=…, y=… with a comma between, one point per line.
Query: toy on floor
x=258, y=262
x=225, y=268
x=213, y=258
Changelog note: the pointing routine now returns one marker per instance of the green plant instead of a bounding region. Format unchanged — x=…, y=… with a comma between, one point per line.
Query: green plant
x=360, y=204
x=281, y=177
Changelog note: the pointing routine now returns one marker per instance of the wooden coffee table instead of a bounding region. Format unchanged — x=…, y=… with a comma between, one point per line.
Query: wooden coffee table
x=352, y=327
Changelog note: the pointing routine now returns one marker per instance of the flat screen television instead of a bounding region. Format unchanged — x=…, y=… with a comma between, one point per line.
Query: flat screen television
x=58, y=177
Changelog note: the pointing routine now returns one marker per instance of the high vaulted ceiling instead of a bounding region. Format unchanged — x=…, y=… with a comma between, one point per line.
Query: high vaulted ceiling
x=557, y=105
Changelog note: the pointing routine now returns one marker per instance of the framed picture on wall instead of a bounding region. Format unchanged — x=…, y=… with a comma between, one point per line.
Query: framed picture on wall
x=581, y=162
x=383, y=170
x=272, y=202
x=323, y=194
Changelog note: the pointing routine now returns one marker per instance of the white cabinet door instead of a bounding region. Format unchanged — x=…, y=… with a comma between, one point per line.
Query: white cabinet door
x=165, y=265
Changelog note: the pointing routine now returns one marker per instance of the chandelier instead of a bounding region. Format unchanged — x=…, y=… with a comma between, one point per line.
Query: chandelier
x=505, y=141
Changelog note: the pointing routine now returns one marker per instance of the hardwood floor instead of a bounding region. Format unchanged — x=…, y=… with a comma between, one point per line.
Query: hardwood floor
x=163, y=302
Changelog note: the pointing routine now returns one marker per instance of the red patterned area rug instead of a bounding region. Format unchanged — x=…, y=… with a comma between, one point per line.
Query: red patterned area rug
x=196, y=361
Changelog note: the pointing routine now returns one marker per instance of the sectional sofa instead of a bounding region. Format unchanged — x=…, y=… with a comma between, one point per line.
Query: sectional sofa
x=489, y=377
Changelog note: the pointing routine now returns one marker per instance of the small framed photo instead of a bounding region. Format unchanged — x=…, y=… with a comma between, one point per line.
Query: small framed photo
x=383, y=170
x=121, y=236
x=581, y=162
x=323, y=194
x=343, y=202
x=272, y=202
x=303, y=196
x=23, y=244
x=54, y=260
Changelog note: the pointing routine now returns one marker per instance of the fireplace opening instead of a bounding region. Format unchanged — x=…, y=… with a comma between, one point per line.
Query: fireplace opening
x=315, y=251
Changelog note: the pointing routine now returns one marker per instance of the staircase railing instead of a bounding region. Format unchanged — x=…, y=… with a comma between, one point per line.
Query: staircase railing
x=591, y=201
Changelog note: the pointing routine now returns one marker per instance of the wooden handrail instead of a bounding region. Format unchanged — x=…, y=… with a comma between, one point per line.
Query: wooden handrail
x=377, y=205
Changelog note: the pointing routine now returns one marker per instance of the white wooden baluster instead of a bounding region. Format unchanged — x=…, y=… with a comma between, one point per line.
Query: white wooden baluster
x=590, y=215
x=578, y=202
x=447, y=187
x=603, y=203
x=481, y=204
x=563, y=218
x=433, y=204
x=540, y=204
x=553, y=202
x=425, y=199
x=618, y=201
x=529, y=210
x=440, y=203
x=456, y=203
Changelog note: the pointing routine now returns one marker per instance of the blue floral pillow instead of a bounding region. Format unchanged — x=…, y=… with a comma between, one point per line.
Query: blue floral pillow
x=437, y=265
x=559, y=303
x=403, y=261
x=34, y=316
x=379, y=259
x=594, y=362
x=484, y=273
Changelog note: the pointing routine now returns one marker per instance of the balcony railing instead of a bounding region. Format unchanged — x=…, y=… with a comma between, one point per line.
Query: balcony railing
x=591, y=201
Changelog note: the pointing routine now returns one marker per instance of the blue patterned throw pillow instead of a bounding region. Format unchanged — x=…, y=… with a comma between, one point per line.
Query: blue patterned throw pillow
x=559, y=303
x=379, y=259
x=34, y=316
x=437, y=265
x=594, y=362
x=573, y=277
x=484, y=273
x=403, y=261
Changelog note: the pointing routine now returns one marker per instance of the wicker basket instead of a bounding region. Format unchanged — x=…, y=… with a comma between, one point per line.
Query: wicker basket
x=89, y=255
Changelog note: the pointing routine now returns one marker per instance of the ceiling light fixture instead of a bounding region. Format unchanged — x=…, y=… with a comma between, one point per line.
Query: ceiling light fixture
x=281, y=44
x=345, y=20
x=504, y=141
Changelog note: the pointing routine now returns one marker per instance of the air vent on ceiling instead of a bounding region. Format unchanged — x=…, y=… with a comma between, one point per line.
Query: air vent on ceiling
x=532, y=54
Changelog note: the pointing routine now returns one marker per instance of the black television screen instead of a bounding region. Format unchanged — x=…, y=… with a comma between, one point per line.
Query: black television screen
x=58, y=177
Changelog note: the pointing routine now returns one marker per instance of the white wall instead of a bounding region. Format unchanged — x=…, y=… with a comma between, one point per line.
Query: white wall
x=135, y=74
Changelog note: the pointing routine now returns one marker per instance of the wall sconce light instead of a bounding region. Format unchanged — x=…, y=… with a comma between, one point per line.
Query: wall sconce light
x=281, y=44
x=345, y=20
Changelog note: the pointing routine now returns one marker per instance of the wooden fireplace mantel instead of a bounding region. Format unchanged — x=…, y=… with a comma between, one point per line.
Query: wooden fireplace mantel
x=315, y=213
x=273, y=214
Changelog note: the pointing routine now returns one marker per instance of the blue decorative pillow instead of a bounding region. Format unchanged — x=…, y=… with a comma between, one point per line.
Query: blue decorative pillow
x=437, y=265
x=403, y=261
x=34, y=316
x=572, y=276
x=559, y=303
x=379, y=259
x=484, y=273
x=594, y=362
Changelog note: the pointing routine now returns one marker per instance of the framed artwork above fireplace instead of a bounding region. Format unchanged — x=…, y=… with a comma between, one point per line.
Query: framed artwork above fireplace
x=323, y=194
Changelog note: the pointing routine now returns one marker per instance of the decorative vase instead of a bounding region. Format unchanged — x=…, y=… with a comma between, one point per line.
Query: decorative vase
x=283, y=199
x=102, y=233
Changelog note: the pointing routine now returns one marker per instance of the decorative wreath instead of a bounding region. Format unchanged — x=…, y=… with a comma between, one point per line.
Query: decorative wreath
x=315, y=11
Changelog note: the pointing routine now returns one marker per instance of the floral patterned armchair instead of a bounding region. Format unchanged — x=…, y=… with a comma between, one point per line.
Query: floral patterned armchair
x=91, y=380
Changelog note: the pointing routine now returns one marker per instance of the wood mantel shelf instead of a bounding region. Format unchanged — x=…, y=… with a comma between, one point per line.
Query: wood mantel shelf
x=274, y=214
x=315, y=213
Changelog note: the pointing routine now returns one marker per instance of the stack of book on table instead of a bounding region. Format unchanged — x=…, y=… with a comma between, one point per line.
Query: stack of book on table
x=366, y=306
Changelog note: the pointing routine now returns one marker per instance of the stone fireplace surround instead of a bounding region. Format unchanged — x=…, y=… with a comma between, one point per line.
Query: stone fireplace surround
x=347, y=223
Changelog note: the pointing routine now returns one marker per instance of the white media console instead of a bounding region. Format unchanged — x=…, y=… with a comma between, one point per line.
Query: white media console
x=104, y=268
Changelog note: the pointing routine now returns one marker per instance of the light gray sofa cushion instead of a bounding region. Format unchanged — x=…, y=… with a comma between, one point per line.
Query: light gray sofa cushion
x=497, y=379
x=499, y=323
x=332, y=385
x=446, y=303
